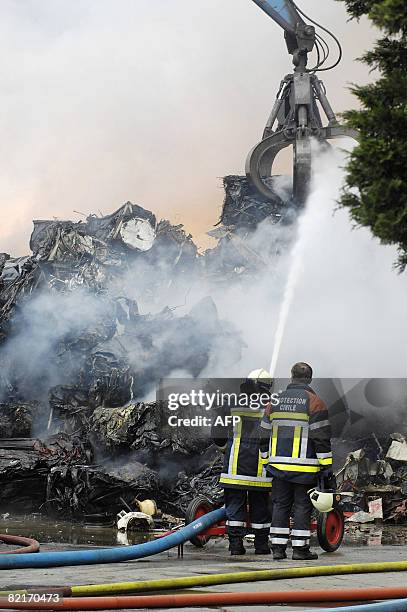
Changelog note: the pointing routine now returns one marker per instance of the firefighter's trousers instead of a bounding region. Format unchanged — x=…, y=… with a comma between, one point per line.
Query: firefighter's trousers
x=259, y=517
x=290, y=500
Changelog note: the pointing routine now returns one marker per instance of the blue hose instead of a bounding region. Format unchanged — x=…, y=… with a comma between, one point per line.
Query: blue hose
x=396, y=605
x=113, y=555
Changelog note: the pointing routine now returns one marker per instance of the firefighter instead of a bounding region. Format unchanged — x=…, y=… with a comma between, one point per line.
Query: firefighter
x=297, y=433
x=245, y=482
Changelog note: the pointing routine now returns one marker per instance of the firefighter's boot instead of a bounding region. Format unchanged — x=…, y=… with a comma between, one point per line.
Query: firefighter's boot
x=261, y=543
x=279, y=552
x=303, y=553
x=236, y=545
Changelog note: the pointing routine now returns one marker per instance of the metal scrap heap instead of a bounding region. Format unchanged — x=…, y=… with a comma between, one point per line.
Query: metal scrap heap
x=85, y=335
x=243, y=232
x=376, y=475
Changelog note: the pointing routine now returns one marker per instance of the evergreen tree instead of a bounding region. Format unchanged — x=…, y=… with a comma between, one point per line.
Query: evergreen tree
x=376, y=186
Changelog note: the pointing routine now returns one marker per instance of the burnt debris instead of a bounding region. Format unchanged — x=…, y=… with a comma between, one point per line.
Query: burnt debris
x=92, y=320
x=244, y=247
x=375, y=473
x=89, y=323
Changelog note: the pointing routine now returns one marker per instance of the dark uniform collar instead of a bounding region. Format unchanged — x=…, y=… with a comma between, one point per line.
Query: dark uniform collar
x=300, y=385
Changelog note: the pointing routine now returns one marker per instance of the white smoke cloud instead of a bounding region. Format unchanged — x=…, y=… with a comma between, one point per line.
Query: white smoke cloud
x=45, y=328
x=346, y=309
x=95, y=98
x=141, y=100
x=346, y=317
x=347, y=301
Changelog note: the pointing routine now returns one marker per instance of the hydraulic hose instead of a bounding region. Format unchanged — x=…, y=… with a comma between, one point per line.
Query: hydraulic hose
x=28, y=544
x=209, y=599
x=112, y=555
x=217, y=579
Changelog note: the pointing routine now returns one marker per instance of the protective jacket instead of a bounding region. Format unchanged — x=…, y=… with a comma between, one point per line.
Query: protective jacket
x=296, y=435
x=243, y=467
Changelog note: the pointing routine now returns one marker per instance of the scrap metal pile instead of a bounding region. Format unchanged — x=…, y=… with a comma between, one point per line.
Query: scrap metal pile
x=85, y=335
x=241, y=250
x=26, y=463
x=376, y=474
x=92, y=320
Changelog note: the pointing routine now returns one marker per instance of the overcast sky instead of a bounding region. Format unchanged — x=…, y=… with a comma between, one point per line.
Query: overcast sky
x=104, y=101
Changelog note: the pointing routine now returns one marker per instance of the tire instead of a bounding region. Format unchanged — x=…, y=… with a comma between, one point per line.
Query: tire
x=198, y=507
x=330, y=530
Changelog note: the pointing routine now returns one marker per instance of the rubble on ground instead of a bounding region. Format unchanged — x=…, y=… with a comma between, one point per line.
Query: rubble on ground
x=15, y=420
x=134, y=521
x=376, y=473
x=205, y=483
x=25, y=464
x=95, y=491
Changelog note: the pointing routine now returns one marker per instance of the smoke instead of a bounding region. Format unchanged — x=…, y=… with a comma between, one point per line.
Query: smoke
x=343, y=309
x=346, y=317
x=150, y=102
x=95, y=98
x=48, y=329
x=347, y=302
x=344, y=312
x=325, y=293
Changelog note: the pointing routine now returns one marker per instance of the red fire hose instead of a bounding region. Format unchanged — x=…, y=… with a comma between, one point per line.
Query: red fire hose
x=209, y=599
x=28, y=545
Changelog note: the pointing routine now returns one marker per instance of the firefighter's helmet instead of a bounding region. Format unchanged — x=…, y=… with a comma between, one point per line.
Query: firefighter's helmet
x=259, y=374
x=261, y=378
x=323, y=501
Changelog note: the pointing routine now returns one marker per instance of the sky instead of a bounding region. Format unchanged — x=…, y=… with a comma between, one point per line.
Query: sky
x=104, y=101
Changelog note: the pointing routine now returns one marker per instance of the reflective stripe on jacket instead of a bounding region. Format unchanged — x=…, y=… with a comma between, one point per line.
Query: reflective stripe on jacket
x=296, y=435
x=244, y=466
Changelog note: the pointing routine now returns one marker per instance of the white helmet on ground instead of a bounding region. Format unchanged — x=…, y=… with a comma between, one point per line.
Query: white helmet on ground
x=321, y=500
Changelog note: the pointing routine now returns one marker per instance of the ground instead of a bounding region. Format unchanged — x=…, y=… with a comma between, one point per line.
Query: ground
x=214, y=559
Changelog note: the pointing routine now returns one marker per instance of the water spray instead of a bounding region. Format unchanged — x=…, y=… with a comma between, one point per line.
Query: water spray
x=296, y=266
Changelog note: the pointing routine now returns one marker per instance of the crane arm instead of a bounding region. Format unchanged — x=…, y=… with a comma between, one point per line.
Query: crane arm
x=299, y=36
x=283, y=12
x=295, y=117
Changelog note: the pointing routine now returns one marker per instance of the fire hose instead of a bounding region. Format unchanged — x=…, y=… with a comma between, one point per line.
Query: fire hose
x=218, y=599
x=399, y=605
x=216, y=579
x=28, y=545
x=112, y=555
x=76, y=601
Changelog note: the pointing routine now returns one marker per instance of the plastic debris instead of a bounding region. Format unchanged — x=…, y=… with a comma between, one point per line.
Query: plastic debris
x=134, y=521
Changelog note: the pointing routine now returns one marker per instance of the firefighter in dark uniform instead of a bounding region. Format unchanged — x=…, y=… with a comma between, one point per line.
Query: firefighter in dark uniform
x=243, y=478
x=297, y=434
